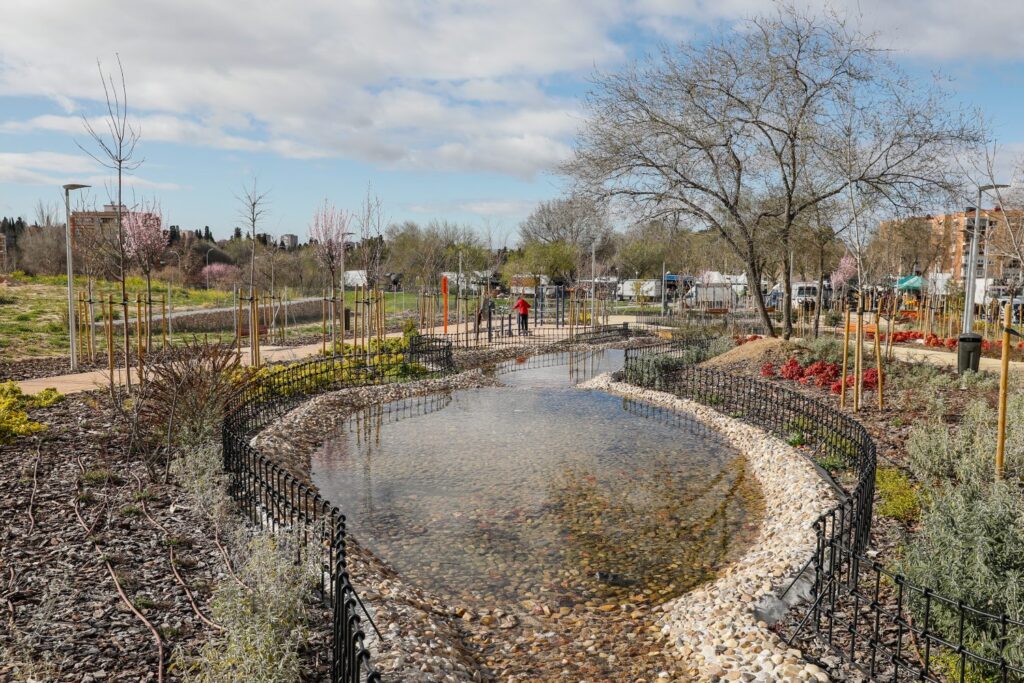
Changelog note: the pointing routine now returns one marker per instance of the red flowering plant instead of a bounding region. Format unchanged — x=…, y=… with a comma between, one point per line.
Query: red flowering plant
x=791, y=369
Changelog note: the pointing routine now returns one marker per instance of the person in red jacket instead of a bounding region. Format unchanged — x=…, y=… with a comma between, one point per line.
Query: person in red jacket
x=523, y=308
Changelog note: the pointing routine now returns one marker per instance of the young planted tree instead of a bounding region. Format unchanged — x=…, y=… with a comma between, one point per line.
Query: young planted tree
x=327, y=233
x=144, y=243
x=252, y=210
x=372, y=247
x=748, y=130
x=116, y=152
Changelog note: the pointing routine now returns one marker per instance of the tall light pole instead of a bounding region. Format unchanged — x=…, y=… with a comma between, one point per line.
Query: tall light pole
x=170, y=302
x=71, y=281
x=969, y=284
x=208, y=266
x=593, y=283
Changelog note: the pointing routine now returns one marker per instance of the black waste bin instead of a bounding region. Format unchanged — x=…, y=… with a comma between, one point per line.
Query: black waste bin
x=968, y=352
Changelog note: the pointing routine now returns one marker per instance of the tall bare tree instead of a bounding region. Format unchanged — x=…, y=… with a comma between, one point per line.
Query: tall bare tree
x=372, y=225
x=748, y=130
x=116, y=151
x=253, y=206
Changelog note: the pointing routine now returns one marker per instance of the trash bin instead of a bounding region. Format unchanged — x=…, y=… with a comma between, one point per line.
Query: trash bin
x=968, y=352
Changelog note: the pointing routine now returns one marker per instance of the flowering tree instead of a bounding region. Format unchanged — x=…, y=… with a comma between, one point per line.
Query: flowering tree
x=222, y=274
x=844, y=272
x=144, y=243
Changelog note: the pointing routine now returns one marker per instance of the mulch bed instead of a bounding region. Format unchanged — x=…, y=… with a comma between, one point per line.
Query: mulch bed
x=64, y=619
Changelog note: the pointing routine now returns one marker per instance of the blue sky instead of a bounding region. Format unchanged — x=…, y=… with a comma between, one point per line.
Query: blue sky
x=450, y=109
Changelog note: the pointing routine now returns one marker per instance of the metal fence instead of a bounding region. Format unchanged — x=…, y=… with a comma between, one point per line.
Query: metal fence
x=504, y=332
x=272, y=497
x=883, y=624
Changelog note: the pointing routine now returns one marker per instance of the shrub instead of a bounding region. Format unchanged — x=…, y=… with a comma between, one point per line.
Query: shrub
x=14, y=407
x=827, y=350
x=265, y=628
x=971, y=547
x=898, y=495
x=768, y=370
x=791, y=369
x=181, y=403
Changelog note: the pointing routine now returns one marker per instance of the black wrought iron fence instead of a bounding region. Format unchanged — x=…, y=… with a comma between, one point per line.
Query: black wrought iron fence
x=504, y=332
x=273, y=497
x=886, y=626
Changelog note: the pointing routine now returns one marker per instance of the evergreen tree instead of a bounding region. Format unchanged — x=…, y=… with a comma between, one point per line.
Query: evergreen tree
x=207, y=234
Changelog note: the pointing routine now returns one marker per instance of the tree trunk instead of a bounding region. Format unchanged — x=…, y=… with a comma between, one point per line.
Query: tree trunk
x=149, y=312
x=124, y=287
x=787, y=290
x=754, y=285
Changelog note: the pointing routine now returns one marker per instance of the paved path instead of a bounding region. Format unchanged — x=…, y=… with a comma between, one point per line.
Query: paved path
x=99, y=379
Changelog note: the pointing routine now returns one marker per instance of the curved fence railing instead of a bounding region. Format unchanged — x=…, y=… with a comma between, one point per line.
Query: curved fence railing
x=273, y=497
x=886, y=626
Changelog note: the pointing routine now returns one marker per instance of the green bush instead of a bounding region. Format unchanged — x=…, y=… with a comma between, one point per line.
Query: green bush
x=898, y=495
x=825, y=349
x=265, y=628
x=971, y=547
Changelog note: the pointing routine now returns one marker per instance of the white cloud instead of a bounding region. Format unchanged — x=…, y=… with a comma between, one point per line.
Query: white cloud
x=55, y=169
x=446, y=84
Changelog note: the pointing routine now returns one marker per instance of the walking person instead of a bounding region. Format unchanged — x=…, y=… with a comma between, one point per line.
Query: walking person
x=523, y=308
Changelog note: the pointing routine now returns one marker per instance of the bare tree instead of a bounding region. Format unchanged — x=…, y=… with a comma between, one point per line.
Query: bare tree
x=372, y=225
x=116, y=152
x=48, y=215
x=749, y=130
x=253, y=206
x=1005, y=237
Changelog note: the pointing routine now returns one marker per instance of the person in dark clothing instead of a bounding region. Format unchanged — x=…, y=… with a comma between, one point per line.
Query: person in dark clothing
x=523, y=308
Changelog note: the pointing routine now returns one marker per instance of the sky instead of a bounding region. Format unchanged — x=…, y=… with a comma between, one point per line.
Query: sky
x=448, y=109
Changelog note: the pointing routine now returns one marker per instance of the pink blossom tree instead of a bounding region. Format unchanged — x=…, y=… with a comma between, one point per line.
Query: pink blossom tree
x=144, y=243
x=327, y=232
x=222, y=274
x=844, y=272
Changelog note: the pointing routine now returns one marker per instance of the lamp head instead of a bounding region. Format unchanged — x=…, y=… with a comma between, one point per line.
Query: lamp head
x=75, y=186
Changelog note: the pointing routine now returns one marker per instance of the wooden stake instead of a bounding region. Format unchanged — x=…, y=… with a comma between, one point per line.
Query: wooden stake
x=1004, y=383
x=110, y=339
x=878, y=366
x=138, y=333
x=163, y=316
x=323, y=322
x=858, y=355
x=846, y=355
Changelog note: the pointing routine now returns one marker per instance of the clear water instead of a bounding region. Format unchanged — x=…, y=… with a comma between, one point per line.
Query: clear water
x=537, y=490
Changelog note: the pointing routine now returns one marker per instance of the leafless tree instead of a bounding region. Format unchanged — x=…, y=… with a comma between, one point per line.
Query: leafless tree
x=1005, y=237
x=116, y=151
x=253, y=206
x=750, y=129
x=48, y=215
x=372, y=225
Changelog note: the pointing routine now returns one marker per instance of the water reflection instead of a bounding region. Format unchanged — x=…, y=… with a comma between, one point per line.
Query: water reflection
x=539, y=490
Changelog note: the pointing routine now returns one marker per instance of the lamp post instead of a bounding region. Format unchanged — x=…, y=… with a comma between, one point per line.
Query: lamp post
x=170, y=302
x=968, y=320
x=208, y=266
x=969, y=343
x=71, y=282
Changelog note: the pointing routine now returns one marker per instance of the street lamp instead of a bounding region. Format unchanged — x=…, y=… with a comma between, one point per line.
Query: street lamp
x=968, y=321
x=969, y=343
x=208, y=266
x=170, y=301
x=71, y=283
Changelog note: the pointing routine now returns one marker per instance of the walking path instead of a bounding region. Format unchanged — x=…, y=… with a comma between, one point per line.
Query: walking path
x=99, y=379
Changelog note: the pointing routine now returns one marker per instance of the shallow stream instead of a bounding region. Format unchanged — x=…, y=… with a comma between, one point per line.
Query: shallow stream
x=539, y=491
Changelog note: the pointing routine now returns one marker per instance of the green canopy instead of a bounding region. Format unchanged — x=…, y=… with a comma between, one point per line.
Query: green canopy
x=910, y=282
